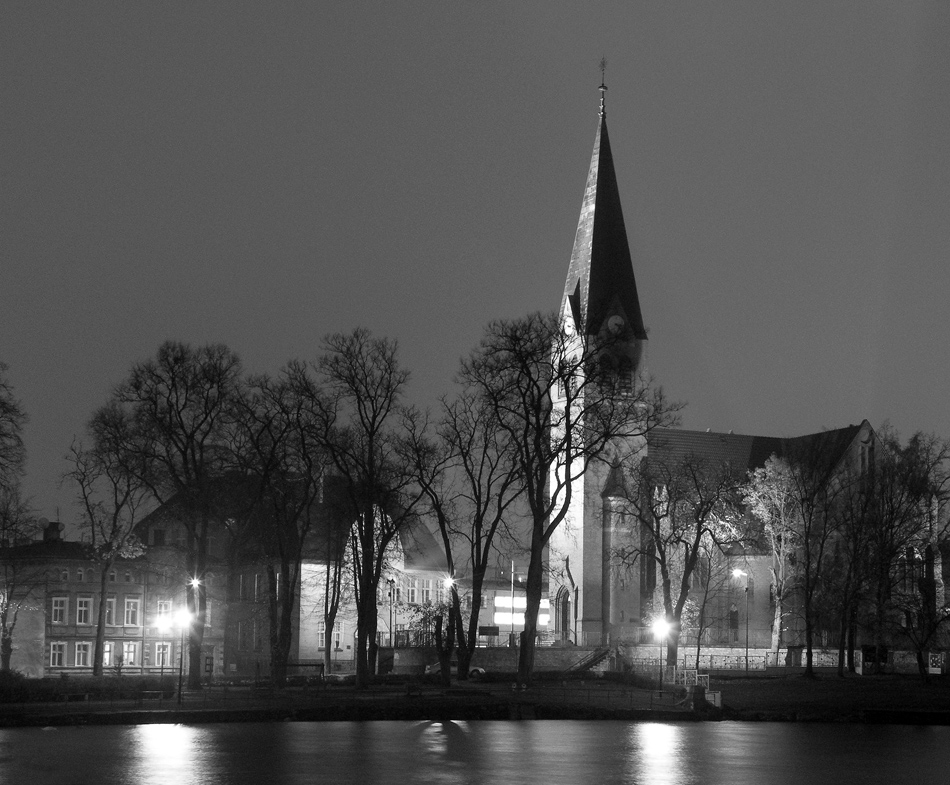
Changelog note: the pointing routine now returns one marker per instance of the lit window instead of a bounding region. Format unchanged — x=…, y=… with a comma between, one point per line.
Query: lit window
x=129, y=653
x=84, y=610
x=83, y=655
x=132, y=612
x=108, y=652
x=57, y=654
x=164, y=610
x=163, y=654
x=59, y=610
x=110, y=611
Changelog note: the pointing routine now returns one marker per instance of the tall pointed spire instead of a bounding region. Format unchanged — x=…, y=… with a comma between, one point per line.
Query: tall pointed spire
x=601, y=290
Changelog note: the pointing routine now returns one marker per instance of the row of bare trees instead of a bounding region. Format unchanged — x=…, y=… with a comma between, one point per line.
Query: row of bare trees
x=257, y=457
x=851, y=543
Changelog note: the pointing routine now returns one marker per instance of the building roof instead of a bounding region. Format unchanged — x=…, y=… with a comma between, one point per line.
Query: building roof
x=744, y=451
x=600, y=280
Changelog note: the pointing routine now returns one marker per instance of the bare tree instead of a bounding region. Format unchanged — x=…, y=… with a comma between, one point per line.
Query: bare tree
x=12, y=420
x=22, y=579
x=769, y=496
x=181, y=403
x=558, y=414
x=818, y=480
x=906, y=487
x=277, y=447
x=112, y=498
x=18, y=579
x=470, y=481
x=362, y=385
x=686, y=505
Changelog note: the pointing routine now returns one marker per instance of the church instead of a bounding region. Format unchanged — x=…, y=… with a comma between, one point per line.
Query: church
x=594, y=602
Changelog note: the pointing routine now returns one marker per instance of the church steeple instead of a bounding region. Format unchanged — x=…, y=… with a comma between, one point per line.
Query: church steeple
x=601, y=291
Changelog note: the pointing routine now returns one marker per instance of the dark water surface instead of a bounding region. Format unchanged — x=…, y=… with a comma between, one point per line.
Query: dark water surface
x=504, y=753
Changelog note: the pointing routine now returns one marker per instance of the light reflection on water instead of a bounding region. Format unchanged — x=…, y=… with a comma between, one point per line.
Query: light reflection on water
x=471, y=753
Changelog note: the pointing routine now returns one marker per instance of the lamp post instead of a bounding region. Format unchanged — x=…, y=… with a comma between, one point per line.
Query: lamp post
x=184, y=621
x=661, y=628
x=164, y=623
x=737, y=573
x=392, y=593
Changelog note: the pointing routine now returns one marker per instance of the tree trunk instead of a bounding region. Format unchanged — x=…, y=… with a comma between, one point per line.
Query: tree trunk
x=6, y=648
x=533, y=602
x=101, y=620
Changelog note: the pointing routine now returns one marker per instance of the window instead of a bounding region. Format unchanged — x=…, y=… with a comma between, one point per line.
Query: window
x=158, y=537
x=57, y=654
x=258, y=637
x=113, y=577
x=84, y=610
x=129, y=653
x=426, y=590
x=60, y=605
x=164, y=611
x=257, y=585
x=79, y=575
x=64, y=575
x=244, y=635
x=128, y=577
x=241, y=587
x=163, y=654
x=83, y=654
x=132, y=612
x=321, y=635
x=338, y=636
x=108, y=654
x=110, y=611
x=411, y=591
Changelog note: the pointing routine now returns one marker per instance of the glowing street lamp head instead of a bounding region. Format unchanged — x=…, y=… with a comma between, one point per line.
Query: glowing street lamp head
x=448, y=582
x=183, y=618
x=194, y=583
x=737, y=573
x=661, y=627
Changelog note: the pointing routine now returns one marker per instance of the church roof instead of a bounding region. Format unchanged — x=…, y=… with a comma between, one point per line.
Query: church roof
x=744, y=451
x=600, y=280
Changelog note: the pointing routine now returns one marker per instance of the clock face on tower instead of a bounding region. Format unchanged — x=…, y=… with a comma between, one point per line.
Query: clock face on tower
x=615, y=324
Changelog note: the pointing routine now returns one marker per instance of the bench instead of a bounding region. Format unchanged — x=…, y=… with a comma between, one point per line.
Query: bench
x=145, y=695
x=75, y=696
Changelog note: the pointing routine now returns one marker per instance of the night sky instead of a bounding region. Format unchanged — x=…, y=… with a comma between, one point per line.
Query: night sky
x=262, y=174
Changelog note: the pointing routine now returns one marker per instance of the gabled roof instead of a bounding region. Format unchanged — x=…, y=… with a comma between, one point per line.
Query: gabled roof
x=744, y=451
x=600, y=279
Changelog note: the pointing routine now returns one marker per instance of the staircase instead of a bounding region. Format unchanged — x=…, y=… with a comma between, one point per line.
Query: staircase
x=587, y=662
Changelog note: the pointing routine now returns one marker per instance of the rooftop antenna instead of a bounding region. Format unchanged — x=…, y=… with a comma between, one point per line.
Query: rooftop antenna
x=603, y=84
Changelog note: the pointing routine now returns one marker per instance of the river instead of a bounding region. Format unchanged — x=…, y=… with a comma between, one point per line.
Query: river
x=471, y=753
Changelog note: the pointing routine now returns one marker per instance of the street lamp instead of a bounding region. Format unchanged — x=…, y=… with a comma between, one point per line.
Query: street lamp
x=164, y=624
x=392, y=596
x=737, y=573
x=661, y=628
x=184, y=621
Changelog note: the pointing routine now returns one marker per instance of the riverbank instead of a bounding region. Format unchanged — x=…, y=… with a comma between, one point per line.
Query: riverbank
x=867, y=699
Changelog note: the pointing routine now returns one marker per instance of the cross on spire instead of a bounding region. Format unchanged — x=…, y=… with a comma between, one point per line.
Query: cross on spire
x=603, y=84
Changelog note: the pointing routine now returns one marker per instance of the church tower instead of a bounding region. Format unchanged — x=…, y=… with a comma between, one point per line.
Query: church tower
x=592, y=601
